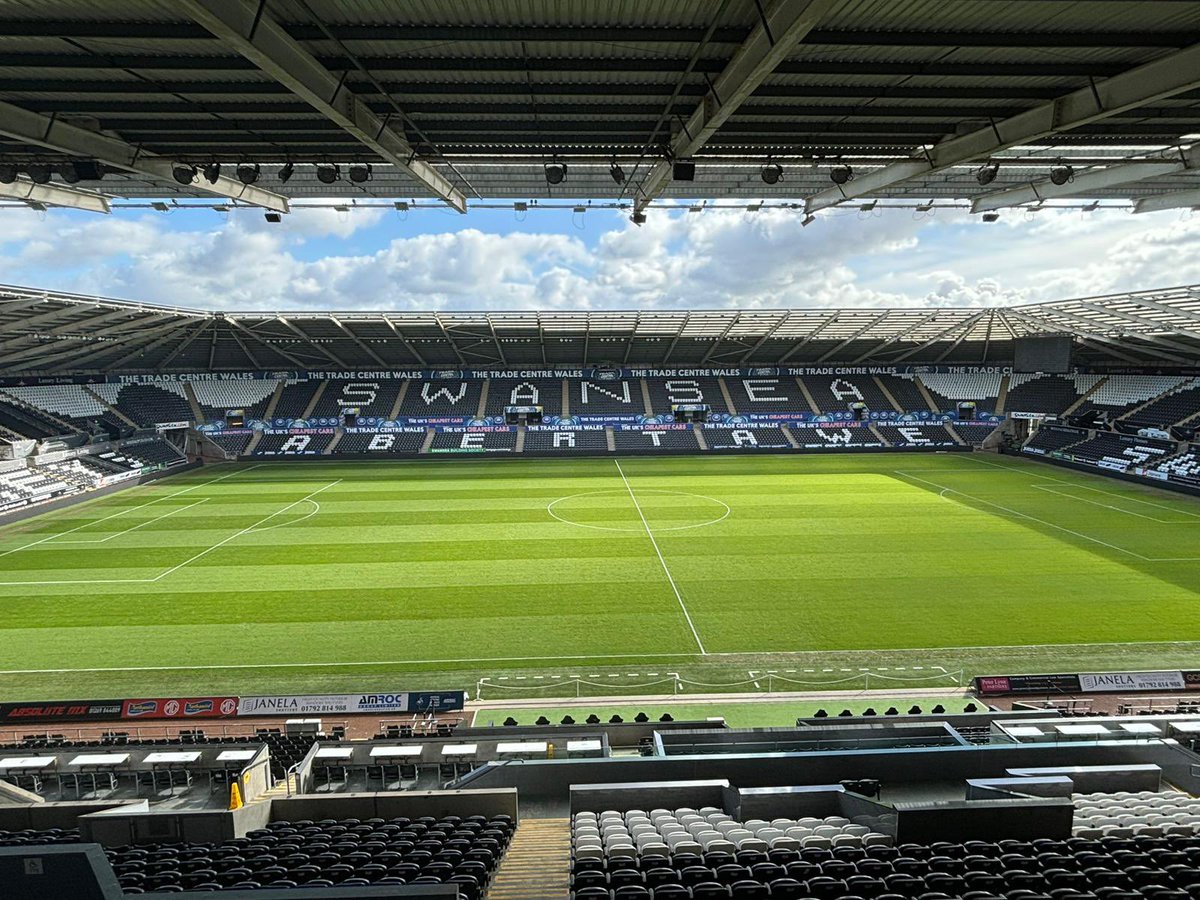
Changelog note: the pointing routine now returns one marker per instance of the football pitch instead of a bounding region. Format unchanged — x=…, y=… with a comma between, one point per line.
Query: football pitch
x=597, y=576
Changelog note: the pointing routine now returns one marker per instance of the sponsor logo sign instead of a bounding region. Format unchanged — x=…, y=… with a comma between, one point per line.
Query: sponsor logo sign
x=1027, y=684
x=179, y=708
x=1112, y=682
x=322, y=704
x=60, y=711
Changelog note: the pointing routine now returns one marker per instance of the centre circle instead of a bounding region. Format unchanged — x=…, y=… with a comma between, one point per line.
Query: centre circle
x=649, y=501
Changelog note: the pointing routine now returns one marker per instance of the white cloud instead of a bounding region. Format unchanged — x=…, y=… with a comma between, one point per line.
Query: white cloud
x=323, y=259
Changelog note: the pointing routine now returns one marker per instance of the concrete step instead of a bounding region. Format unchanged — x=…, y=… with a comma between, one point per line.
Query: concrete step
x=537, y=865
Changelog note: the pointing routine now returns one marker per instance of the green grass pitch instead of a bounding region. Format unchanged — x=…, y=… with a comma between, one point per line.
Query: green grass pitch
x=717, y=571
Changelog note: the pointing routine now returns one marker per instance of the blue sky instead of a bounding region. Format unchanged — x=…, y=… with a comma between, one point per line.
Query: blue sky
x=500, y=259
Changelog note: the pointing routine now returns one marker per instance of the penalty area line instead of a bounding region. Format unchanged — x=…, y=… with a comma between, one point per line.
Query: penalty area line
x=186, y=562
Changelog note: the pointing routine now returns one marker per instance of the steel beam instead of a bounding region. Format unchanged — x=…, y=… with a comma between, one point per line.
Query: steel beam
x=771, y=41
x=242, y=25
x=56, y=134
x=1089, y=182
x=55, y=195
x=1164, y=77
x=1174, y=200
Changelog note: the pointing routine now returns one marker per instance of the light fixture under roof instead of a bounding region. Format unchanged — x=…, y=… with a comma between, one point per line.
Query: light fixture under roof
x=987, y=173
x=328, y=173
x=771, y=173
x=840, y=175
x=1061, y=174
x=556, y=172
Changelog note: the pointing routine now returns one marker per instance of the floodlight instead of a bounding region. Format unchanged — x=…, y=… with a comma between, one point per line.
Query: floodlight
x=286, y=172
x=616, y=173
x=328, y=173
x=8, y=173
x=183, y=173
x=248, y=173
x=841, y=174
x=39, y=173
x=212, y=172
x=771, y=173
x=360, y=173
x=556, y=172
x=986, y=173
x=1060, y=175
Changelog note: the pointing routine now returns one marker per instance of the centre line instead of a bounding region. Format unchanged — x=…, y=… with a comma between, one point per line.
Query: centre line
x=654, y=543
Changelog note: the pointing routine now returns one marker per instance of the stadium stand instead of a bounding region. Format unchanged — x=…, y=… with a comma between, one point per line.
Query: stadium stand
x=554, y=443
x=607, y=398
x=29, y=422
x=1137, y=814
x=217, y=398
x=437, y=398
x=292, y=444
x=474, y=441
x=906, y=435
x=1175, y=407
x=1185, y=466
x=148, y=404
x=664, y=392
x=295, y=398
x=152, y=452
x=677, y=440
x=26, y=485
x=905, y=392
x=1048, y=394
x=1122, y=393
x=836, y=393
x=1049, y=439
x=1108, y=450
x=973, y=434
x=948, y=390
x=463, y=851
x=370, y=398
x=743, y=438
x=70, y=402
x=819, y=437
x=234, y=442
x=382, y=442
x=771, y=396
x=544, y=392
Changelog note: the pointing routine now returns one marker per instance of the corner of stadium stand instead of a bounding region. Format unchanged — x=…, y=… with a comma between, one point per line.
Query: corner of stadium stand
x=804, y=105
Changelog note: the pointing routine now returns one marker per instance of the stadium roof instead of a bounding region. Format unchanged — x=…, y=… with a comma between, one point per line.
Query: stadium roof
x=46, y=333
x=469, y=100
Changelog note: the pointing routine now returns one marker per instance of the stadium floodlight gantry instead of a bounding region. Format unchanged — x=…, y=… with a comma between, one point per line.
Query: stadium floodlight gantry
x=44, y=332
x=812, y=103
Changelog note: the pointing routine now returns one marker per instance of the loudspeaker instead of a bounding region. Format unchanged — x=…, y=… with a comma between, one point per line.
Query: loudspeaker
x=683, y=170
